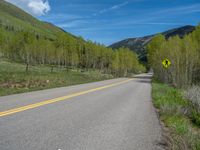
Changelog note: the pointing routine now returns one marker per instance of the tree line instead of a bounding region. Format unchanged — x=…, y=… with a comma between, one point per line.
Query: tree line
x=66, y=51
x=184, y=55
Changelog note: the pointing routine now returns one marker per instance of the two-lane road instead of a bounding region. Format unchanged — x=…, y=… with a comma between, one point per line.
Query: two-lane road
x=109, y=115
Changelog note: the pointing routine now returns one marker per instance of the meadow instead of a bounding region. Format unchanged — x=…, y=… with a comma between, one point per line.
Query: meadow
x=15, y=79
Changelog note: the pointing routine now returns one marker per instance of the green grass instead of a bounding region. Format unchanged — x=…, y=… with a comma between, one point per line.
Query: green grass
x=178, y=123
x=14, y=79
x=175, y=112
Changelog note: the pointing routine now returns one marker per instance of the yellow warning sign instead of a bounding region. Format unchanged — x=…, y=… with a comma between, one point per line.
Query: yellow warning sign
x=166, y=63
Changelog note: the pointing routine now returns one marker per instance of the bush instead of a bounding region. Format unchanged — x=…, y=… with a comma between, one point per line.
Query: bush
x=195, y=116
x=193, y=94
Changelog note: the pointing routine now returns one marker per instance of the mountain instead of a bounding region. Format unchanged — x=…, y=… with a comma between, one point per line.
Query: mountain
x=16, y=19
x=138, y=44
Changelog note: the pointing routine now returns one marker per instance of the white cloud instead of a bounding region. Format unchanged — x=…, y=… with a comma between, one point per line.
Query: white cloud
x=39, y=7
x=119, y=5
x=71, y=24
x=35, y=7
x=111, y=8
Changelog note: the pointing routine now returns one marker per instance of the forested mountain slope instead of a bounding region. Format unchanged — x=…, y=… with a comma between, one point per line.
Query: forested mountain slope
x=138, y=44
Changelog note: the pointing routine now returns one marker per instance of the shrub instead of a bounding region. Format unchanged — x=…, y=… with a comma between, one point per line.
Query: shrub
x=195, y=116
x=193, y=94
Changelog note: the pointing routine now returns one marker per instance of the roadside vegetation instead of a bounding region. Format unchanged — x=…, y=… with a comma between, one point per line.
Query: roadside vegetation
x=14, y=79
x=67, y=51
x=193, y=94
x=184, y=55
x=177, y=94
x=179, y=115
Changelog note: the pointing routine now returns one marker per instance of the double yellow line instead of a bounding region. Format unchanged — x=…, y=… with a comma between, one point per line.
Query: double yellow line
x=31, y=106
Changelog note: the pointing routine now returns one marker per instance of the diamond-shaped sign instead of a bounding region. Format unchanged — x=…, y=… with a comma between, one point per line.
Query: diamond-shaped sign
x=166, y=63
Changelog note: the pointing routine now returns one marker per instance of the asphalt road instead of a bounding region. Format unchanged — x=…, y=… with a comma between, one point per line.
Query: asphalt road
x=109, y=115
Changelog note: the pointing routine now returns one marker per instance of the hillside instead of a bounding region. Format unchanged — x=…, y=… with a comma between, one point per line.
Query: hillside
x=16, y=19
x=138, y=44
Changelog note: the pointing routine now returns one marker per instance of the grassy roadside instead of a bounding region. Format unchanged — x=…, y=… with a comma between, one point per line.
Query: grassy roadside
x=14, y=79
x=176, y=113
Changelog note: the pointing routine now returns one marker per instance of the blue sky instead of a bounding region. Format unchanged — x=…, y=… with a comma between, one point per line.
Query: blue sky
x=108, y=21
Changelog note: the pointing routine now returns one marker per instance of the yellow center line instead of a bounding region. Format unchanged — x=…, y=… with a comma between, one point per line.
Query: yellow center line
x=31, y=106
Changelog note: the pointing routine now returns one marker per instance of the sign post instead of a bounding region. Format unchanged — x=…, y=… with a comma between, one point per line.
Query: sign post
x=166, y=63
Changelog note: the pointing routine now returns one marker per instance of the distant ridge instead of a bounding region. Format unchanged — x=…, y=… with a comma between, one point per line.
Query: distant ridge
x=138, y=44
